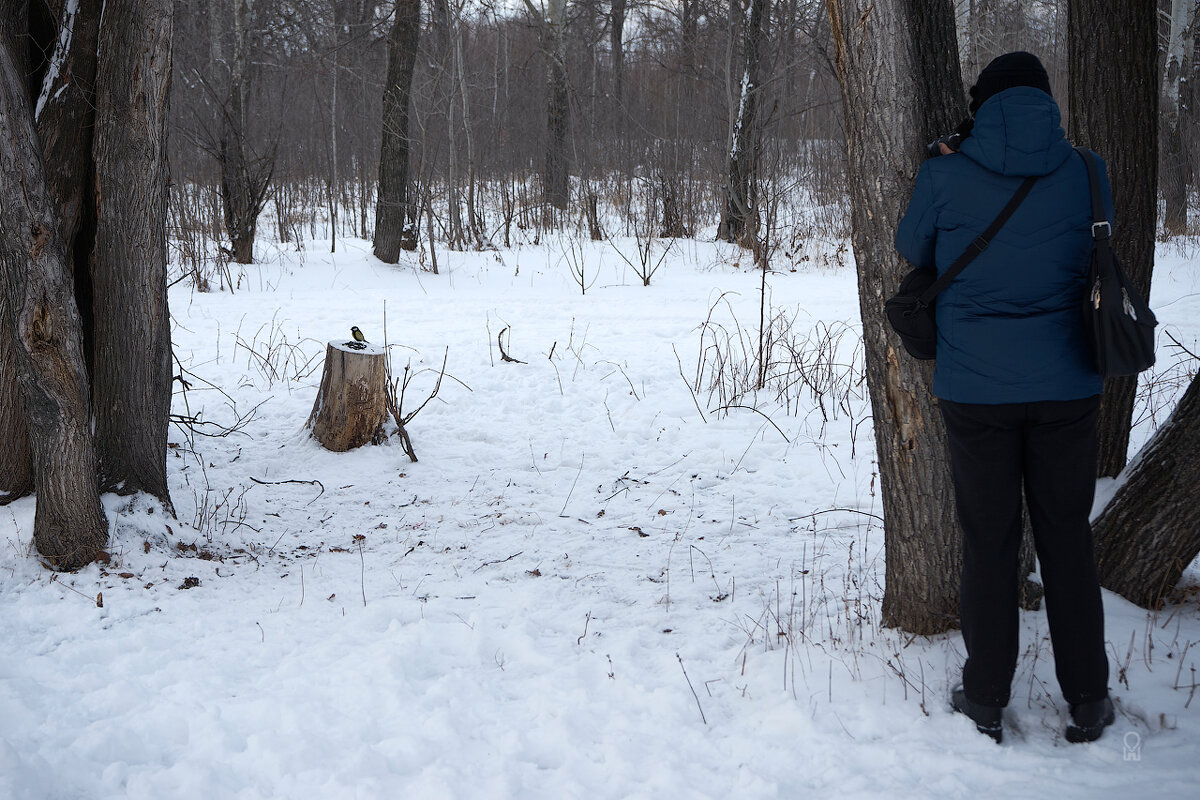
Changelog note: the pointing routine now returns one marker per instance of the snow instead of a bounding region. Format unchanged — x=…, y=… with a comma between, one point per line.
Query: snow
x=62, y=49
x=592, y=584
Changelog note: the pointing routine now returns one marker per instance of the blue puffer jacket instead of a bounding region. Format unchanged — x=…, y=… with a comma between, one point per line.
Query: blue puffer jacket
x=1009, y=328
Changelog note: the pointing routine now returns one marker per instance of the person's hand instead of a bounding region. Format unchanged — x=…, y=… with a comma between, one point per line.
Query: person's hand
x=945, y=148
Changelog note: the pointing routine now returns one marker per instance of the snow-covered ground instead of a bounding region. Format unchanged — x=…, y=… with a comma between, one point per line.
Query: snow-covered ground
x=593, y=584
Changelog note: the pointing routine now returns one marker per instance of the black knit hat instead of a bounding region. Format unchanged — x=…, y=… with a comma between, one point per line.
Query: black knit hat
x=1006, y=71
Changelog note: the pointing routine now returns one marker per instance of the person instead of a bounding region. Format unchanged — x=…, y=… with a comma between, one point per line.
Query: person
x=1016, y=384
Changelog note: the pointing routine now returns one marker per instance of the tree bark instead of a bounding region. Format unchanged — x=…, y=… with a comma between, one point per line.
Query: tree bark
x=131, y=382
x=245, y=176
x=396, y=223
x=883, y=66
x=473, y=223
x=556, y=171
x=444, y=25
x=44, y=329
x=1149, y=532
x=740, y=221
x=556, y=175
x=351, y=405
x=16, y=463
x=64, y=103
x=335, y=182
x=66, y=115
x=1173, y=163
x=616, y=34
x=1114, y=93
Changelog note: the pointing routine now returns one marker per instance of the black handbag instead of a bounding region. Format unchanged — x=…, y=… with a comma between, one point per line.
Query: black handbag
x=1117, y=322
x=910, y=311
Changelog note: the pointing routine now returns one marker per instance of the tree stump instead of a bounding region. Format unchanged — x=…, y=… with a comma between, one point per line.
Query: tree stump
x=351, y=406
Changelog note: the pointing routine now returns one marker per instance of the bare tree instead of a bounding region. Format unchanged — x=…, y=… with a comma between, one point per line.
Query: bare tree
x=245, y=174
x=551, y=23
x=616, y=32
x=900, y=88
x=396, y=223
x=1115, y=44
x=64, y=112
x=131, y=376
x=740, y=220
x=43, y=330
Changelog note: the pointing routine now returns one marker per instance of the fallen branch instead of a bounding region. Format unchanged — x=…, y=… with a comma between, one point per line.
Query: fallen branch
x=279, y=483
x=500, y=561
x=693, y=688
x=500, y=341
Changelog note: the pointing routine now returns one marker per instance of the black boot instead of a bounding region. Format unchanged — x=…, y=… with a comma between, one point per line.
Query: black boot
x=987, y=719
x=1088, y=720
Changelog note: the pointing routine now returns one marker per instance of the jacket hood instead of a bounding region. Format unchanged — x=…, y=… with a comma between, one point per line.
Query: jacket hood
x=1018, y=132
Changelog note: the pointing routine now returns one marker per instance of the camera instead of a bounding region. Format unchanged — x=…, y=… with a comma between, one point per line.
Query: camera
x=952, y=141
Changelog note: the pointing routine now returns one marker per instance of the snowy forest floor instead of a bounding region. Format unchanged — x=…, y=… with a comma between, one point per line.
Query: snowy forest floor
x=593, y=584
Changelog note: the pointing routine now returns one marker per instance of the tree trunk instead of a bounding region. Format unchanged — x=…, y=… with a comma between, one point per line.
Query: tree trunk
x=1173, y=164
x=558, y=170
x=1114, y=89
x=884, y=67
x=351, y=405
x=16, y=461
x=1149, y=532
x=454, y=228
x=131, y=382
x=16, y=464
x=740, y=221
x=65, y=116
x=968, y=36
x=616, y=42
x=474, y=227
x=44, y=329
x=335, y=184
x=244, y=178
x=64, y=112
x=396, y=222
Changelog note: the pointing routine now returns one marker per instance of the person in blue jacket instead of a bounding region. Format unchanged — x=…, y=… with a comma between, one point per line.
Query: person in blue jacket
x=1016, y=384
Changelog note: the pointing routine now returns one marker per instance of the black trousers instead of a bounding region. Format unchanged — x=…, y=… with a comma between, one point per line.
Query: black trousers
x=1049, y=448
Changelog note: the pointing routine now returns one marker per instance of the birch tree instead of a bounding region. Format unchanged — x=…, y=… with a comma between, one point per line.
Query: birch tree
x=1173, y=163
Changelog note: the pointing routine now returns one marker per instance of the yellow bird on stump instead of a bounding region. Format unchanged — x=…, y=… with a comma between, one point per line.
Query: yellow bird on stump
x=357, y=334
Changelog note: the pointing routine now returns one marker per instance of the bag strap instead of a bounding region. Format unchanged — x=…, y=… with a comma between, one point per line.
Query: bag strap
x=1101, y=229
x=978, y=246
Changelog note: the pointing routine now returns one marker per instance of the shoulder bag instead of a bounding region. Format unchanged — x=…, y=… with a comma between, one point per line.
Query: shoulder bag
x=1117, y=321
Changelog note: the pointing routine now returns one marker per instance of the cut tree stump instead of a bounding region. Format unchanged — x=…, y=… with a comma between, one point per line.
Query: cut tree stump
x=351, y=406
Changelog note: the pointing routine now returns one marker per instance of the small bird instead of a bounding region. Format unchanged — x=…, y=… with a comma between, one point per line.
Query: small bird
x=357, y=334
